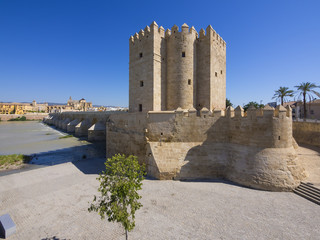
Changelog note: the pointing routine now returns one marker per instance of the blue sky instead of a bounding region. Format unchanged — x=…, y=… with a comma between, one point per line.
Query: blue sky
x=53, y=49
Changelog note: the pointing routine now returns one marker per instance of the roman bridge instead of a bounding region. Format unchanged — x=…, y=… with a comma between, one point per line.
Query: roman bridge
x=82, y=124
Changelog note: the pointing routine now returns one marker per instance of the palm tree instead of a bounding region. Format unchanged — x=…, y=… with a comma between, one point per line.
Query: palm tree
x=228, y=103
x=282, y=93
x=306, y=90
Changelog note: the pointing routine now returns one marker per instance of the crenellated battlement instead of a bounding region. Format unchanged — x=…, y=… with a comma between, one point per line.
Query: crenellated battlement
x=252, y=113
x=210, y=33
x=184, y=30
x=262, y=128
x=147, y=33
x=176, y=67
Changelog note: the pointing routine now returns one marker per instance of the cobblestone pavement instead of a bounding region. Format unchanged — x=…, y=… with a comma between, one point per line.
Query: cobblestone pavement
x=51, y=203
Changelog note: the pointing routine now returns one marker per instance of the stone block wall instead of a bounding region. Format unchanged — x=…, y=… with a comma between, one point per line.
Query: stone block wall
x=254, y=150
x=176, y=68
x=125, y=134
x=307, y=133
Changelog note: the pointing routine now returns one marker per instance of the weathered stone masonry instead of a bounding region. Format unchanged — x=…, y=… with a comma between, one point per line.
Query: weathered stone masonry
x=254, y=150
x=178, y=125
x=172, y=68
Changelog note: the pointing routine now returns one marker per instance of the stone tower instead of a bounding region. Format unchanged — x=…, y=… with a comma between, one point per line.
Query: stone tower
x=176, y=68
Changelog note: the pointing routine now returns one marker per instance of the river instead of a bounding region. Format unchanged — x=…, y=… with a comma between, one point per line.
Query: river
x=44, y=144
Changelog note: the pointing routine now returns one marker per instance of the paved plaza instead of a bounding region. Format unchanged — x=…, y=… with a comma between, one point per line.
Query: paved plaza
x=51, y=203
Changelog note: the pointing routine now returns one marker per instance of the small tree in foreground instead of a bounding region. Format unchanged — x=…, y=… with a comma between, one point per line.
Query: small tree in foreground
x=119, y=184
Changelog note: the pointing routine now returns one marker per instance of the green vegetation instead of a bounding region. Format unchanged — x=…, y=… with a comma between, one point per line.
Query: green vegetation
x=42, y=111
x=13, y=160
x=282, y=93
x=228, y=103
x=118, y=187
x=255, y=104
x=49, y=133
x=306, y=90
x=23, y=118
x=66, y=136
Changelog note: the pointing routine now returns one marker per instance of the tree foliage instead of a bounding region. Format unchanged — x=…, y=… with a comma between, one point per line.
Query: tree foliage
x=306, y=90
x=282, y=93
x=119, y=185
x=255, y=104
x=228, y=103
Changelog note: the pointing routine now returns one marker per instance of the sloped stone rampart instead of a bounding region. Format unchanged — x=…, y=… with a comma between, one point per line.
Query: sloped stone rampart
x=255, y=150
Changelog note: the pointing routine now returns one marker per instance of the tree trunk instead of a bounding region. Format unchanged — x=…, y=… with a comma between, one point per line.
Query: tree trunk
x=126, y=234
x=304, y=107
x=282, y=101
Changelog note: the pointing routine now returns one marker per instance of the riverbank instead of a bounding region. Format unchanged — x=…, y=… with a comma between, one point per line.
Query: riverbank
x=28, y=116
x=46, y=145
x=13, y=161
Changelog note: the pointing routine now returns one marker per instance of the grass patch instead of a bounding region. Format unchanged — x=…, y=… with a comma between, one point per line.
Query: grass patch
x=49, y=133
x=23, y=118
x=13, y=160
x=66, y=136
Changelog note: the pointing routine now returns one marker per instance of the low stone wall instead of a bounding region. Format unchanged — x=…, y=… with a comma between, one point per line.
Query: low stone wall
x=31, y=116
x=82, y=124
x=126, y=135
x=307, y=132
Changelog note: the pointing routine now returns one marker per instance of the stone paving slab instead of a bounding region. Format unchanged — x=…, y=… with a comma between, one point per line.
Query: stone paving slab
x=52, y=202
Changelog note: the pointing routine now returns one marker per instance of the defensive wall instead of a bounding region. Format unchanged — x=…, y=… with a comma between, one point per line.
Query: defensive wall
x=307, y=132
x=29, y=116
x=256, y=150
x=82, y=124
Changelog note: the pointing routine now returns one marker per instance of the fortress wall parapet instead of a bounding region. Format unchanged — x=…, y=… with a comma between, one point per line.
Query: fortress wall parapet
x=254, y=150
x=258, y=128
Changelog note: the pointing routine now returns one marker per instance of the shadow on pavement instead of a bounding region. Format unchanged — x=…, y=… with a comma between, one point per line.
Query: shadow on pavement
x=88, y=158
x=54, y=238
x=311, y=147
